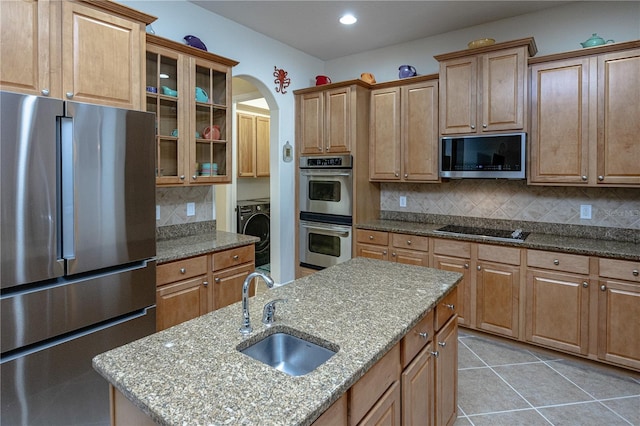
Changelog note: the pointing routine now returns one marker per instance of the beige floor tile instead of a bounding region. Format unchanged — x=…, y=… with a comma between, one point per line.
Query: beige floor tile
x=480, y=390
x=498, y=353
x=599, y=383
x=512, y=418
x=540, y=385
x=467, y=359
x=588, y=414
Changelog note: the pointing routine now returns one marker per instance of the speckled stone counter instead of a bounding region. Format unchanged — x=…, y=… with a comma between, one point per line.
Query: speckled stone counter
x=210, y=241
x=193, y=374
x=625, y=250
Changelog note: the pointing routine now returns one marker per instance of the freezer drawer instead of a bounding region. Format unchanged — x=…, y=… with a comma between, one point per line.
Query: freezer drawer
x=34, y=315
x=57, y=385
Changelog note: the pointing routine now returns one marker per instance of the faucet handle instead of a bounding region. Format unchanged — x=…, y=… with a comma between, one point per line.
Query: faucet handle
x=269, y=311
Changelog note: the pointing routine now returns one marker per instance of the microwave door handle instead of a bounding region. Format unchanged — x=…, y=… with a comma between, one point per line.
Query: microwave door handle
x=68, y=195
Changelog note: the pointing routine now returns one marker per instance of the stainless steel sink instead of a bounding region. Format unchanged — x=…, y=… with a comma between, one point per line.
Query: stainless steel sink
x=289, y=354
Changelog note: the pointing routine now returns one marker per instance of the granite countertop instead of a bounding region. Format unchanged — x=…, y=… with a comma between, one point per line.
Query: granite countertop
x=625, y=250
x=193, y=374
x=181, y=247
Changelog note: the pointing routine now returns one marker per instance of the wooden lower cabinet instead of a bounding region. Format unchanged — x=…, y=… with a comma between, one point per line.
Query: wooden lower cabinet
x=446, y=373
x=497, y=298
x=455, y=256
x=418, y=393
x=387, y=410
x=401, y=248
x=192, y=287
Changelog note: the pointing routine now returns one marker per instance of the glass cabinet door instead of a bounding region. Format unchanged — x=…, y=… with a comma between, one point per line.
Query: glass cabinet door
x=210, y=154
x=164, y=98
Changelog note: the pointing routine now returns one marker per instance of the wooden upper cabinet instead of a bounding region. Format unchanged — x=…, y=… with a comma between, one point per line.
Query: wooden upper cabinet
x=338, y=120
x=311, y=123
x=485, y=89
x=584, y=122
x=559, y=137
x=29, y=51
x=618, y=159
x=253, y=145
x=81, y=51
x=403, y=133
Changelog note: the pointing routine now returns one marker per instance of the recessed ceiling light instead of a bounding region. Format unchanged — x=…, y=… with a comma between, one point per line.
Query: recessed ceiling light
x=163, y=75
x=348, y=19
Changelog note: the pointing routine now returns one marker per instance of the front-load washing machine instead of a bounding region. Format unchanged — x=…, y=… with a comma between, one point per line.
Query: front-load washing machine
x=254, y=219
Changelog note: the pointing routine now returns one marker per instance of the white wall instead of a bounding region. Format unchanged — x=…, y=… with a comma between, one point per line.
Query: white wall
x=257, y=55
x=555, y=30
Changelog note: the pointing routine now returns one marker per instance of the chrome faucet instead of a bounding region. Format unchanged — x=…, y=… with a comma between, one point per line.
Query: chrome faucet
x=269, y=311
x=246, y=321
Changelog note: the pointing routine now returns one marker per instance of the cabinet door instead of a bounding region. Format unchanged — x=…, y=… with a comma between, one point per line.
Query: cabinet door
x=461, y=266
x=386, y=411
x=498, y=298
x=420, y=132
x=263, y=146
x=311, y=123
x=446, y=373
x=557, y=310
x=618, y=324
x=418, y=396
x=246, y=145
x=102, y=57
x=30, y=47
x=458, y=90
x=338, y=120
x=165, y=72
x=181, y=301
x=410, y=257
x=618, y=123
x=372, y=251
x=227, y=284
x=503, y=90
x=559, y=149
x=384, y=134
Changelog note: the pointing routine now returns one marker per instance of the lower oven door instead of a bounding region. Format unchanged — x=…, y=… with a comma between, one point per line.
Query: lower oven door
x=324, y=244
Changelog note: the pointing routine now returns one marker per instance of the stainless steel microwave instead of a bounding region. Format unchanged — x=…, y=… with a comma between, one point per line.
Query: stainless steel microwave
x=500, y=156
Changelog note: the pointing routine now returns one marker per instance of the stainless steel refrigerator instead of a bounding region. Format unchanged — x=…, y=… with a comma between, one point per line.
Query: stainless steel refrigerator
x=77, y=259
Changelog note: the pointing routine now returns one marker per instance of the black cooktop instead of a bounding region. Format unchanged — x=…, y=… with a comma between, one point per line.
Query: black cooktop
x=486, y=233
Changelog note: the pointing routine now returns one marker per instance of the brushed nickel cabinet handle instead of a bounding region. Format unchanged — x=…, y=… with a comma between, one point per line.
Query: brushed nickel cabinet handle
x=69, y=95
x=45, y=92
x=408, y=242
x=466, y=266
x=442, y=344
x=484, y=126
x=406, y=175
x=635, y=272
x=585, y=284
x=600, y=178
x=479, y=268
x=217, y=279
x=194, y=177
x=183, y=270
x=435, y=354
x=556, y=262
x=393, y=253
x=424, y=335
x=205, y=283
x=450, y=306
x=396, y=174
x=603, y=287
x=236, y=257
x=384, y=252
x=181, y=177
x=371, y=237
x=473, y=126
x=584, y=178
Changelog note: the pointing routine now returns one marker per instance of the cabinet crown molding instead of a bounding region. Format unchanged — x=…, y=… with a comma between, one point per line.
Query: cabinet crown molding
x=191, y=51
x=529, y=42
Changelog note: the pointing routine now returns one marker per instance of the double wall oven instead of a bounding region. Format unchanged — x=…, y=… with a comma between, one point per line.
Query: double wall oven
x=326, y=209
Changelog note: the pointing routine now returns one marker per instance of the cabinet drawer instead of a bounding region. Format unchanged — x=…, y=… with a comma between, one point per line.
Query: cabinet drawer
x=364, y=394
x=411, y=242
x=372, y=237
x=416, y=339
x=233, y=257
x=446, y=309
x=181, y=270
x=500, y=254
x=620, y=269
x=452, y=248
x=558, y=261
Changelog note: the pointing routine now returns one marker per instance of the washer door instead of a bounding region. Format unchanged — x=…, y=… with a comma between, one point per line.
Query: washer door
x=258, y=225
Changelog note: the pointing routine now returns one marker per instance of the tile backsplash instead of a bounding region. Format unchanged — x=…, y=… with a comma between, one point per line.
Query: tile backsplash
x=515, y=200
x=173, y=204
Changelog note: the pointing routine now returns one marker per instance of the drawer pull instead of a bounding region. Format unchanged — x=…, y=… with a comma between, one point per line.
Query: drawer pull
x=635, y=272
x=217, y=280
x=585, y=284
x=556, y=262
x=584, y=178
x=393, y=254
x=435, y=354
x=450, y=306
x=408, y=242
x=600, y=178
x=424, y=335
x=384, y=252
x=603, y=287
x=205, y=283
x=371, y=237
x=236, y=257
x=479, y=268
x=442, y=344
x=466, y=266
x=183, y=270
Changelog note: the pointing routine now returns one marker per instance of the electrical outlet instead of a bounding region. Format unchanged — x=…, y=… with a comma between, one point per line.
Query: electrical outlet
x=191, y=209
x=585, y=211
x=403, y=201
x=157, y=212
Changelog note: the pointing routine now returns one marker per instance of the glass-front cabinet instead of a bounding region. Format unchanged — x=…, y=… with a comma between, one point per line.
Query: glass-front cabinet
x=190, y=92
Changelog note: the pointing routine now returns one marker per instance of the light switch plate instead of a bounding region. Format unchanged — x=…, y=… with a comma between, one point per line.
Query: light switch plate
x=191, y=209
x=585, y=211
x=403, y=201
x=157, y=212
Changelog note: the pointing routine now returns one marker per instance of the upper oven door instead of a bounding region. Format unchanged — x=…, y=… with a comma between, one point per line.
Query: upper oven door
x=326, y=191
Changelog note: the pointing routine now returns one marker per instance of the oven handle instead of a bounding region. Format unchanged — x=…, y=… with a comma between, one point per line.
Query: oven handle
x=338, y=230
x=325, y=173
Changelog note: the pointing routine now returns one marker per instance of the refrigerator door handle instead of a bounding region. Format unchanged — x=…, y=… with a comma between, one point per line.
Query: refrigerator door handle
x=68, y=193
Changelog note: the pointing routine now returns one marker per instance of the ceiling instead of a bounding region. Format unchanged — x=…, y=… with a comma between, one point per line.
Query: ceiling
x=313, y=27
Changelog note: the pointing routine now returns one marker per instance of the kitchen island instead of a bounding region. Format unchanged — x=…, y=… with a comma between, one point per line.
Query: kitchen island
x=193, y=373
